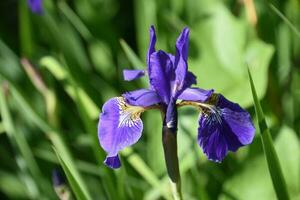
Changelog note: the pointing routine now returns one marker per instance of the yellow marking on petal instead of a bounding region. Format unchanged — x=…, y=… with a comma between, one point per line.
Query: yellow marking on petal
x=129, y=114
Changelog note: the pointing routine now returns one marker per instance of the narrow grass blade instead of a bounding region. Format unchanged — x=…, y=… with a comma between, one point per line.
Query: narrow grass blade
x=88, y=113
x=141, y=167
x=145, y=16
x=83, y=166
x=75, y=20
x=19, y=142
x=132, y=57
x=50, y=132
x=286, y=20
x=1, y=128
x=75, y=184
x=25, y=30
x=12, y=187
x=59, y=72
x=270, y=153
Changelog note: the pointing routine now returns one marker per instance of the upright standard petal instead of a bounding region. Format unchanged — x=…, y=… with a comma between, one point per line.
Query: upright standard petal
x=160, y=74
x=224, y=126
x=35, y=6
x=182, y=45
x=131, y=74
x=151, y=48
x=142, y=97
x=119, y=126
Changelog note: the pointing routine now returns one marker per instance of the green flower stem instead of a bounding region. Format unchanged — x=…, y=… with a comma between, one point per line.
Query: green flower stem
x=169, y=140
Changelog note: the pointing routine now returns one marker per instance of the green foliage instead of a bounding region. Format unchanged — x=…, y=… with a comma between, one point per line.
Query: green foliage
x=75, y=183
x=78, y=49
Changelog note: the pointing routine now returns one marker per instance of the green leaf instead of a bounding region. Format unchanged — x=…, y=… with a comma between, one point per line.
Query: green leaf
x=222, y=46
x=50, y=132
x=75, y=20
x=26, y=44
x=1, y=128
x=141, y=167
x=132, y=57
x=286, y=20
x=253, y=181
x=10, y=68
x=155, y=156
x=284, y=53
x=59, y=72
x=12, y=186
x=77, y=187
x=275, y=169
x=145, y=10
x=102, y=58
x=20, y=144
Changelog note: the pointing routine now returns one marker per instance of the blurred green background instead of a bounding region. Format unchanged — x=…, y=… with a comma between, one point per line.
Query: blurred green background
x=57, y=69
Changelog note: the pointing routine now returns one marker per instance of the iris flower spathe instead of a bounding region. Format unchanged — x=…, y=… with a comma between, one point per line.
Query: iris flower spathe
x=223, y=126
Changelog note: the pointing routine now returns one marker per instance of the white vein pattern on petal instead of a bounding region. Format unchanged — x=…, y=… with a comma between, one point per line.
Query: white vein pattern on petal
x=129, y=116
x=119, y=125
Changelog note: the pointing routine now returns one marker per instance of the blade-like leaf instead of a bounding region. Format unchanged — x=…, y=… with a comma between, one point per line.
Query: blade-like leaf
x=141, y=167
x=132, y=57
x=25, y=30
x=51, y=133
x=75, y=20
x=77, y=188
x=21, y=146
x=286, y=20
x=278, y=180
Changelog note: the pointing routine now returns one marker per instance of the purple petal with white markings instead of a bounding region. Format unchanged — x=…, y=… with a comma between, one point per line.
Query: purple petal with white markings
x=119, y=126
x=225, y=126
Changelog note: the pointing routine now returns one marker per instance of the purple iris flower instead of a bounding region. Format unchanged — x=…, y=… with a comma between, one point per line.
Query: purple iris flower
x=36, y=6
x=223, y=126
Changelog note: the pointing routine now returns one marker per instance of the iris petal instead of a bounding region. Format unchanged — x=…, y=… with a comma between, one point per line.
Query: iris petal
x=131, y=74
x=212, y=141
x=160, y=74
x=113, y=162
x=142, y=97
x=190, y=79
x=225, y=126
x=119, y=126
x=151, y=48
x=195, y=94
x=182, y=45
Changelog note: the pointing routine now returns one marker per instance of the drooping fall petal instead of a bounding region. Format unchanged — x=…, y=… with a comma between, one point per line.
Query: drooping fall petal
x=224, y=127
x=119, y=126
